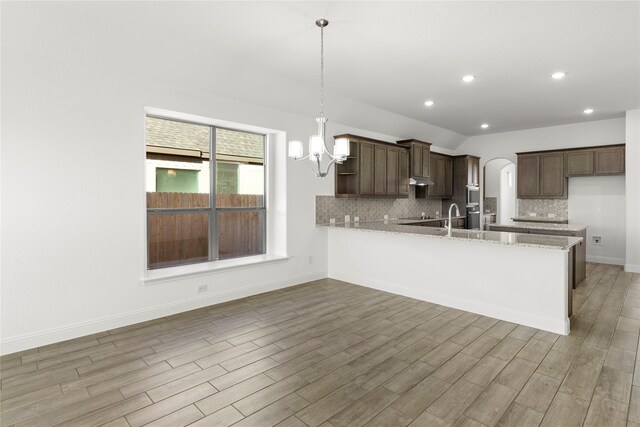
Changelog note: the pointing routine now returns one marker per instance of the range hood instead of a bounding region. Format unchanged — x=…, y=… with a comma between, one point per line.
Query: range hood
x=415, y=180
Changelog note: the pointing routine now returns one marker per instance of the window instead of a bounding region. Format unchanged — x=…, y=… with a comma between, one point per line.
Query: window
x=187, y=222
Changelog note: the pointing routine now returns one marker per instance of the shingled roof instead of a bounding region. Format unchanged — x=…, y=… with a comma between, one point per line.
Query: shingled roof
x=188, y=136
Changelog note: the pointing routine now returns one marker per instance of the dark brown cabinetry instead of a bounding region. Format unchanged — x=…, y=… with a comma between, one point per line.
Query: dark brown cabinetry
x=607, y=160
x=420, y=153
x=442, y=176
x=542, y=176
x=441, y=169
x=373, y=169
x=403, y=173
x=580, y=163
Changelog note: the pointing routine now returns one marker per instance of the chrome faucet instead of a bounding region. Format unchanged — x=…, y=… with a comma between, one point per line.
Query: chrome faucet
x=448, y=222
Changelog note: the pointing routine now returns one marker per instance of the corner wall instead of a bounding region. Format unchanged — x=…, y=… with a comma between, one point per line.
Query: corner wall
x=632, y=182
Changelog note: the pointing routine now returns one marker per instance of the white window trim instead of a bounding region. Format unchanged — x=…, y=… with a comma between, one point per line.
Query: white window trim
x=276, y=227
x=170, y=274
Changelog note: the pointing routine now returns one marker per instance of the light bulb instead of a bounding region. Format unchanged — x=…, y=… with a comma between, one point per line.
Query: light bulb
x=295, y=149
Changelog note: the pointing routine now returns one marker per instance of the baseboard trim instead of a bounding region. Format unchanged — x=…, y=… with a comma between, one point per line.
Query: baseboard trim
x=632, y=268
x=605, y=260
x=50, y=336
x=521, y=318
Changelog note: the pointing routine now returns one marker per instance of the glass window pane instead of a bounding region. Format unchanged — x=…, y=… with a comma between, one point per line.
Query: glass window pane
x=177, y=164
x=239, y=169
x=177, y=239
x=240, y=233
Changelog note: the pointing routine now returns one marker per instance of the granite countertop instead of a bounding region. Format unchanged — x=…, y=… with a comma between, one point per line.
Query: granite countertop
x=540, y=219
x=491, y=237
x=418, y=219
x=542, y=226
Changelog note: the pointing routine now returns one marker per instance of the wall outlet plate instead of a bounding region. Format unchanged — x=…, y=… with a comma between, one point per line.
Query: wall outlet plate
x=552, y=215
x=332, y=220
x=532, y=214
x=356, y=219
x=596, y=240
x=386, y=217
x=202, y=288
x=347, y=218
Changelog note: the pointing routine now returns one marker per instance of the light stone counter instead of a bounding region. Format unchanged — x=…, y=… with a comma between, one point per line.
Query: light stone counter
x=491, y=237
x=541, y=219
x=542, y=226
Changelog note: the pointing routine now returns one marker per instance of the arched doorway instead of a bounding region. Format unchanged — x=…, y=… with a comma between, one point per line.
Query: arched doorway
x=500, y=189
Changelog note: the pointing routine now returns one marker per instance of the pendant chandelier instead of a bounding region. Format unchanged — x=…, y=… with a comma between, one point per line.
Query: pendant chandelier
x=317, y=143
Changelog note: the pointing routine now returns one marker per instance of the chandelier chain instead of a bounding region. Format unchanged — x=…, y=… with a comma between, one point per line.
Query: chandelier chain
x=321, y=71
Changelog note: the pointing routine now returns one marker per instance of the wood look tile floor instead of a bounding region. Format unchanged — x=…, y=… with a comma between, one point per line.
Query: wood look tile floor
x=330, y=353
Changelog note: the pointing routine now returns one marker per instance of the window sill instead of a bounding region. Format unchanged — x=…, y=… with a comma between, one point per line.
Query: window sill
x=170, y=274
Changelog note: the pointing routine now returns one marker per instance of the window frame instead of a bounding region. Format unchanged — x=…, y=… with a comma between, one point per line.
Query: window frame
x=212, y=210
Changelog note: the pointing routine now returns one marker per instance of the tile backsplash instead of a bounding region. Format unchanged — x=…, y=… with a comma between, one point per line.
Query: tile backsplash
x=490, y=204
x=543, y=207
x=328, y=207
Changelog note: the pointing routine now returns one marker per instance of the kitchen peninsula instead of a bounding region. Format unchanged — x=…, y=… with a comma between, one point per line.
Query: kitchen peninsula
x=518, y=277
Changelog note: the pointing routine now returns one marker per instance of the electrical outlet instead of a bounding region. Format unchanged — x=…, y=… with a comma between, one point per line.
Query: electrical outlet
x=596, y=240
x=310, y=259
x=202, y=288
x=552, y=215
x=332, y=220
x=386, y=217
x=356, y=219
x=347, y=218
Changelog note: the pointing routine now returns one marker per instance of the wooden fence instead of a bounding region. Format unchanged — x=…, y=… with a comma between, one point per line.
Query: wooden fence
x=183, y=238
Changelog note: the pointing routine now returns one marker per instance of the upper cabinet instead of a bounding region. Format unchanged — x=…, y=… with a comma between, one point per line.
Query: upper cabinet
x=542, y=176
x=608, y=160
x=420, y=153
x=374, y=169
x=441, y=175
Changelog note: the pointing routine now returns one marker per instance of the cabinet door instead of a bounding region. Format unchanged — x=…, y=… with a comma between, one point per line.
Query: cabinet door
x=416, y=160
x=433, y=190
x=579, y=163
x=403, y=173
x=392, y=171
x=380, y=171
x=609, y=161
x=553, y=181
x=439, y=174
x=366, y=169
x=528, y=176
x=448, y=177
x=426, y=161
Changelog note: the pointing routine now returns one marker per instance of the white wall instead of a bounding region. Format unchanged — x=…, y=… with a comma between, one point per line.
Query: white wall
x=632, y=180
x=601, y=132
x=507, y=200
x=73, y=170
x=599, y=201
x=492, y=177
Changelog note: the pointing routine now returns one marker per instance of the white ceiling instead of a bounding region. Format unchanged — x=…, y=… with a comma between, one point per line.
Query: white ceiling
x=389, y=56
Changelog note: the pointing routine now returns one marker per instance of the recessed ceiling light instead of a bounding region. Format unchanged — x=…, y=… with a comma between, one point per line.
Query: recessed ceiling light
x=468, y=78
x=428, y=102
x=588, y=111
x=558, y=75
x=484, y=125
